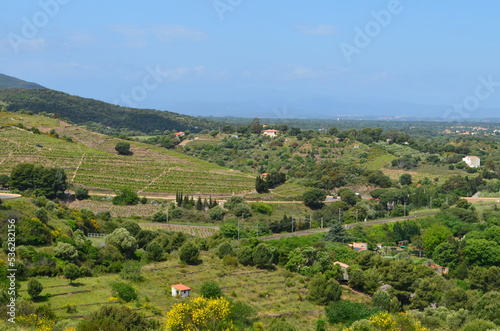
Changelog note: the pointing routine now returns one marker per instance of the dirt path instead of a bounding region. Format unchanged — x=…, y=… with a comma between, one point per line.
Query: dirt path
x=78, y=167
x=475, y=199
x=164, y=172
x=6, y=196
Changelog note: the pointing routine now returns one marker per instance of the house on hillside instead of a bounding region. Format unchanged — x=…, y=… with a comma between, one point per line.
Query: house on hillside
x=438, y=269
x=180, y=290
x=180, y=134
x=358, y=247
x=472, y=161
x=271, y=133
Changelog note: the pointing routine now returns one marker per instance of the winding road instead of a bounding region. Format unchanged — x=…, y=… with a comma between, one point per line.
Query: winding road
x=6, y=196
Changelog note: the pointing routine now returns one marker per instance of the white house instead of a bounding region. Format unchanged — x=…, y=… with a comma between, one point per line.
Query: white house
x=472, y=161
x=271, y=133
x=180, y=290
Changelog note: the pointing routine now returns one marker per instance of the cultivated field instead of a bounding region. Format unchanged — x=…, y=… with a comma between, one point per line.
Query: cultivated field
x=271, y=293
x=90, y=161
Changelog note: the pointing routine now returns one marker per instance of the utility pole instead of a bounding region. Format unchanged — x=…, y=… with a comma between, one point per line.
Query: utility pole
x=322, y=222
x=292, y=224
x=310, y=223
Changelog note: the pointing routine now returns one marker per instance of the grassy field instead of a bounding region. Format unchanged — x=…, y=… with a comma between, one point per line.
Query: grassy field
x=140, y=210
x=270, y=293
x=91, y=161
x=287, y=191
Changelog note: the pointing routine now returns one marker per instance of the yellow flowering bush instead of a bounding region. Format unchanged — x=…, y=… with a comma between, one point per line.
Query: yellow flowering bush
x=388, y=322
x=40, y=324
x=200, y=314
x=383, y=321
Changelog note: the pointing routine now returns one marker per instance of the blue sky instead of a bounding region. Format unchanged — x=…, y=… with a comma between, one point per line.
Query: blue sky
x=215, y=56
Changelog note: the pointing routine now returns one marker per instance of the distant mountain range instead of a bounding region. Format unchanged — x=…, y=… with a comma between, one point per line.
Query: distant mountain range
x=19, y=94
x=12, y=82
x=333, y=108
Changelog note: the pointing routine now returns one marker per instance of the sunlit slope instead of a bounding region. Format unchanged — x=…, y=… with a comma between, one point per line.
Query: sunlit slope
x=90, y=160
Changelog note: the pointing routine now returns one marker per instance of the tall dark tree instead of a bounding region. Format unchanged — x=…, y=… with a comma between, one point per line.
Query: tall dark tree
x=34, y=288
x=22, y=177
x=255, y=127
x=48, y=182
x=260, y=185
x=199, y=204
x=314, y=198
x=338, y=233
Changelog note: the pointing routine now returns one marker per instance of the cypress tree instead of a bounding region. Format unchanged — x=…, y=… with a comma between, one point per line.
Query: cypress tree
x=199, y=204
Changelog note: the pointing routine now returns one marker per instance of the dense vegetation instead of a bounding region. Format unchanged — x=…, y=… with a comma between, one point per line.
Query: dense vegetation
x=97, y=114
x=439, y=271
x=11, y=82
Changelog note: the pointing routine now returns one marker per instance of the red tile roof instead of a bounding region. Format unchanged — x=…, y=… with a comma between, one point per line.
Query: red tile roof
x=181, y=287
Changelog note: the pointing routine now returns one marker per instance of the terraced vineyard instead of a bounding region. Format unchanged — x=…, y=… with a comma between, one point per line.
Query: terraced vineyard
x=197, y=231
x=92, y=162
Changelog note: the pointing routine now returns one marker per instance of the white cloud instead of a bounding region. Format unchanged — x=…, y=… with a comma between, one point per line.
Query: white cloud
x=318, y=30
x=189, y=73
x=162, y=32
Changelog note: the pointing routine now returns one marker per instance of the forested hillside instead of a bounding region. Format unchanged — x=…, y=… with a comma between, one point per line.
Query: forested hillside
x=14, y=83
x=99, y=115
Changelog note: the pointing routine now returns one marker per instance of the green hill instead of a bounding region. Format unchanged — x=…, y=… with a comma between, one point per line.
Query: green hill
x=8, y=82
x=91, y=161
x=101, y=114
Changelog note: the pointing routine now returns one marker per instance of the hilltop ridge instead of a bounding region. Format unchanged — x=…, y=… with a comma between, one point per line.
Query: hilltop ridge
x=9, y=82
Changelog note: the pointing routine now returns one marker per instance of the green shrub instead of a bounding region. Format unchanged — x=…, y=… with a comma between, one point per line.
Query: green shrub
x=118, y=318
x=34, y=288
x=189, y=253
x=348, y=312
x=81, y=193
x=131, y=271
x=124, y=291
x=210, y=289
x=262, y=208
x=230, y=261
x=224, y=249
x=127, y=197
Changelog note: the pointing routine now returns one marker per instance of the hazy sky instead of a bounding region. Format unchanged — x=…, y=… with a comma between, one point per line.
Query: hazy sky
x=155, y=53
